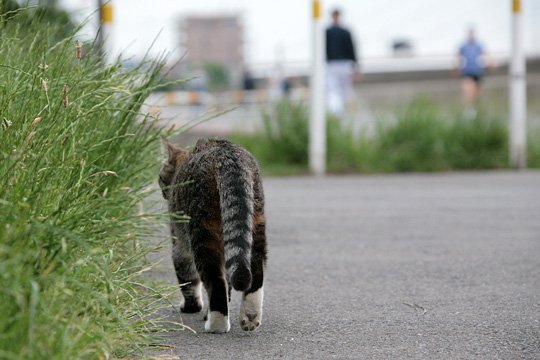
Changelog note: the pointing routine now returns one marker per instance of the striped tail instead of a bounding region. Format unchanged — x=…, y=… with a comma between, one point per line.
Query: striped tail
x=236, y=197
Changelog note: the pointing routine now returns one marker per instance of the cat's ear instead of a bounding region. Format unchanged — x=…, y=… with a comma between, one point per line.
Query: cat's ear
x=201, y=143
x=171, y=151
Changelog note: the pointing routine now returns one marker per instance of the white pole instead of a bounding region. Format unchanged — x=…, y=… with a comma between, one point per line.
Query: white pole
x=99, y=35
x=106, y=14
x=317, y=123
x=518, y=95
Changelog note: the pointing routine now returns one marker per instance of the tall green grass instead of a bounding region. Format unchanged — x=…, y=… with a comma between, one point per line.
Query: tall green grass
x=533, y=145
x=75, y=161
x=425, y=138
x=281, y=145
x=420, y=137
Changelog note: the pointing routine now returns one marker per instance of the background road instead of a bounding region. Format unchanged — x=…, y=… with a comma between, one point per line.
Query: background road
x=442, y=266
x=372, y=102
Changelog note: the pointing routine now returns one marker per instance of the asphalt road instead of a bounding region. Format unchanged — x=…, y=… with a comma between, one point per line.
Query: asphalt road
x=442, y=266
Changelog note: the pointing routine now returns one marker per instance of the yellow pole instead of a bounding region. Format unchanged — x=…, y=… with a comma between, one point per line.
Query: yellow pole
x=316, y=9
x=106, y=30
x=107, y=13
x=516, y=6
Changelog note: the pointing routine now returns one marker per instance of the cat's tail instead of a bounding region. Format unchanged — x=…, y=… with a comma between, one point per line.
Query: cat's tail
x=235, y=186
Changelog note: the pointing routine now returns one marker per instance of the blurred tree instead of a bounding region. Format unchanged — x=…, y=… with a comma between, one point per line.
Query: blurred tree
x=8, y=9
x=217, y=75
x=45, y=13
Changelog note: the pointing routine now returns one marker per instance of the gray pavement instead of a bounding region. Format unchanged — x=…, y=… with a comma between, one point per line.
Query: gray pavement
x=419, y=266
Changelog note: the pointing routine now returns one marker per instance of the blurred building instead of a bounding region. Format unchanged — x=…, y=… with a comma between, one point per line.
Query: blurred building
x=210, y=42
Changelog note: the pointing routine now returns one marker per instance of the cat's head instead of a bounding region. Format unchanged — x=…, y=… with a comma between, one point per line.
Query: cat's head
x=176, y=156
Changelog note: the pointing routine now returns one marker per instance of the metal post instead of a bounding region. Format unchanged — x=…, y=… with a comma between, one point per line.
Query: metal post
x=99, y=35
x=317, y=123
x=518, y=95
x=104, y=36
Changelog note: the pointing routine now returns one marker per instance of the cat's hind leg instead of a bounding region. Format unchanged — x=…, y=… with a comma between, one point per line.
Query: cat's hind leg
x=187, y=276
x=252, y=299
x=209, y=261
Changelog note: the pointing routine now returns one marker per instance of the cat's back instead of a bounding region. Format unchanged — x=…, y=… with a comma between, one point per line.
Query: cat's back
x=209, y=156
x=210, y=162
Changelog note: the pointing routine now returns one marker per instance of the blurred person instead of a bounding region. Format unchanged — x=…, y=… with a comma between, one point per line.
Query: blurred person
x=342, y=65
x=276, y=89
x=248, y=87
x=286, y=88
x=471, y=65
x=248, y=82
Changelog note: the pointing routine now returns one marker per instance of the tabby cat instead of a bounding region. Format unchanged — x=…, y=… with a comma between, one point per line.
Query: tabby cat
x=223, y=245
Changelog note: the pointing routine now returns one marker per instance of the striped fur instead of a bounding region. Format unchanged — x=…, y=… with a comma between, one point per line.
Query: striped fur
x=236, y=201
x=218, y=186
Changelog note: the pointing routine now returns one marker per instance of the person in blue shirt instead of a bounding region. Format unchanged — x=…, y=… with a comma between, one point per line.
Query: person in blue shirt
x=472, y=63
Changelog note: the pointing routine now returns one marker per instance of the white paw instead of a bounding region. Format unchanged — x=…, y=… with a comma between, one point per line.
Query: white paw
x=251, y=310
x=217, y=323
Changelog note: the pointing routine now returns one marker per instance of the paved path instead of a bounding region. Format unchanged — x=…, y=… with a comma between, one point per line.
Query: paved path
x=440, y=266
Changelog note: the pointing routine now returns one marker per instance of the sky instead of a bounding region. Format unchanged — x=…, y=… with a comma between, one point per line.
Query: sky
x=279, y=30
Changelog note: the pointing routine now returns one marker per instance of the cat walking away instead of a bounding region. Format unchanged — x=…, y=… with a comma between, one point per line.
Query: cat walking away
x=223, y=245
